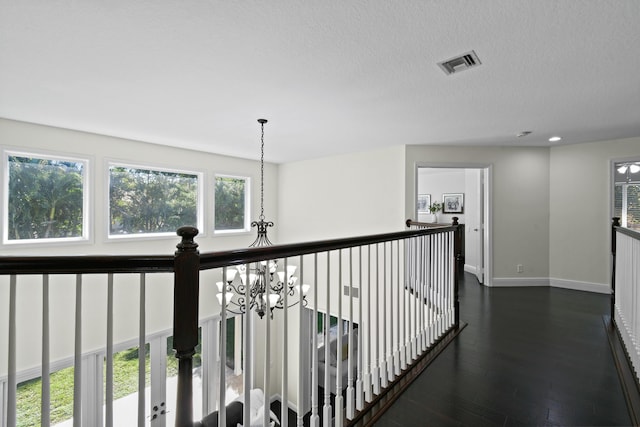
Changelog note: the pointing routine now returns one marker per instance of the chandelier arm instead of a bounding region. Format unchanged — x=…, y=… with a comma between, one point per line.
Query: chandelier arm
x=237, y=289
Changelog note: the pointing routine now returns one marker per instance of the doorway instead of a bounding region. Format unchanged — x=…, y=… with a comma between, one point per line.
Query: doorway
x=470, y=185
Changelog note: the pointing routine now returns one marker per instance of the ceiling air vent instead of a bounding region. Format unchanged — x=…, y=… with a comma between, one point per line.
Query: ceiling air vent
x=460, y=63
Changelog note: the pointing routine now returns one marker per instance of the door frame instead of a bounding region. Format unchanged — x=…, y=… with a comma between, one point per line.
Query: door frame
x=487, y=203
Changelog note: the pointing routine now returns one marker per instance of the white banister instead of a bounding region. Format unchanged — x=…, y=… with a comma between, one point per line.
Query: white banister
x=11, y=368
x=404, y=302
x=338, y=403
x=384, y=359
x=315, y=418
x=77, y=357
x=368, y=379
x=301, y=344
x=222, y=413
x=627, y=295
x=109, y=361
x=376, y=349
x=142, y=350
x=248, y=355
x=284, y=405
x=45, y=403
x=361, y=329
x=267, y=359
x=326, y=413
x=350, y=388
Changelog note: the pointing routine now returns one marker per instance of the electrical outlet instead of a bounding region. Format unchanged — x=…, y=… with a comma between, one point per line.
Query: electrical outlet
x=519, y=268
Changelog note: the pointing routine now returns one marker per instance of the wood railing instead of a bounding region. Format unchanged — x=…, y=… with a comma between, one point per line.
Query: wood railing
x=394, y=294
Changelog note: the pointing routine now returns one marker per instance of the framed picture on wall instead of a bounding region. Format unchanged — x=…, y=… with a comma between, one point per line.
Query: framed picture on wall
x=452, y=203
x=424, y=200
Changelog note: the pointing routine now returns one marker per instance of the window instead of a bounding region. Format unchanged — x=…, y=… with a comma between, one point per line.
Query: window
x=627, y=205
x=231, y=204
x=46, y=198
x=627, y=194
x=144, y=201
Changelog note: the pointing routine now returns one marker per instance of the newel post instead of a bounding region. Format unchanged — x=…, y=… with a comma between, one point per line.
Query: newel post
x=615, y=223
x=185, y=320
x=457, y=251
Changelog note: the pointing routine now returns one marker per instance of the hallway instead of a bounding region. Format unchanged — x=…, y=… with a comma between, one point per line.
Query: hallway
x=529, y=356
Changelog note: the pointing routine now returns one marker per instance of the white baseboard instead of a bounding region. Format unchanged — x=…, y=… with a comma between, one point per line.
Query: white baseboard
x=581, y=286
x=507, y=282
x=470, y=268
x=552, y=282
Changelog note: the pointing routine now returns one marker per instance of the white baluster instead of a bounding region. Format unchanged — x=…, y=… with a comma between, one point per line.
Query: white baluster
x=11, y=374
x=284, y=405
x=301, y=349
x=326, y=415
x=248, y=352
x=350, y=388
x=142, y=350
x=45, y=402
x=369, y=326
x=338, y=403
x=315, y=418
x=361, y=329
x=375, y=377
x=77, y=356
x=109, y=357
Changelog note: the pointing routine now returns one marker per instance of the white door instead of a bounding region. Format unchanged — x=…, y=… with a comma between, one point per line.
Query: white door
x=479, y=227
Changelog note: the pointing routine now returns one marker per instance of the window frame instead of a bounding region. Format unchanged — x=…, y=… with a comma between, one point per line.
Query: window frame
x=87, y=194
x=152, y=167
x=615, y=163
x=247, y=205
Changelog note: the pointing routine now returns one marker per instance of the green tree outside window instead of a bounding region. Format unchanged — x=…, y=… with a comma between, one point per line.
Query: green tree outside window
x=145, y=201
x=45, y=198
x=230, y=205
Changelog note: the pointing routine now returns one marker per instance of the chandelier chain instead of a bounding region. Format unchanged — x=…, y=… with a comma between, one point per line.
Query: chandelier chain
x=262, y=173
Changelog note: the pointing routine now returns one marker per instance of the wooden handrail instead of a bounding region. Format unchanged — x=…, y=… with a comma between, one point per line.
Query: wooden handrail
x=412, y=223
x=86, y=264
x=96, y=264
x=248, y=255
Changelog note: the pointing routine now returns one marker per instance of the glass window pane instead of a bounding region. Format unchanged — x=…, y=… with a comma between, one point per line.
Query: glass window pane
x=230, y=204
x=633, y=206
x=45, y=198
x=617, y=201
x=147, y=201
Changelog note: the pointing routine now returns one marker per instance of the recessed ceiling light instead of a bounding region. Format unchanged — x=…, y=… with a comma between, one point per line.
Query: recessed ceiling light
x=555, y=138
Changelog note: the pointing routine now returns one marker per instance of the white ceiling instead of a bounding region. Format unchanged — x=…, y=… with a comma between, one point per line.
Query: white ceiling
x=332, y=76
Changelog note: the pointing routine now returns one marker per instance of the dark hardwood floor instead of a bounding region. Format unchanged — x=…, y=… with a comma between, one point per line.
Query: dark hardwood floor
x=529, y=356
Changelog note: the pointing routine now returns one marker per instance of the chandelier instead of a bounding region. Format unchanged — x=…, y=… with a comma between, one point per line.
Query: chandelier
x=267, y=286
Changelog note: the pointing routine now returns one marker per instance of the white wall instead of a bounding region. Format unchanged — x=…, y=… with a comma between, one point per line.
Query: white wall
x=342, y=196
x=580, y=209
x=99, y=149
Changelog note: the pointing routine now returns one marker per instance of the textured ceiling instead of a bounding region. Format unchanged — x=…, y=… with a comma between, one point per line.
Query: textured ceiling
x=331, y=76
